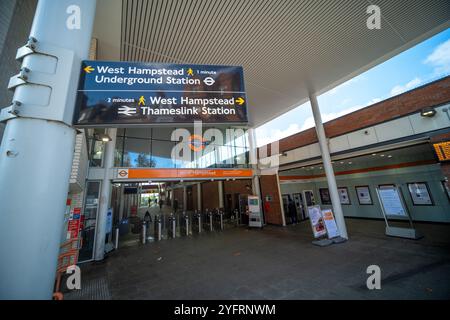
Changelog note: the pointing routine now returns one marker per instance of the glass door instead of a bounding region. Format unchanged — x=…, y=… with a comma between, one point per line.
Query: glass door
x=89, y=218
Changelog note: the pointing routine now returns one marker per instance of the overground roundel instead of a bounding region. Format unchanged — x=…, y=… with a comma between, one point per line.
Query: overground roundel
x=196, y=143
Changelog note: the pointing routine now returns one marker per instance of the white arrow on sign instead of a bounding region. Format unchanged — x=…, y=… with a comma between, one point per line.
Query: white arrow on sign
x=209, y=81
x=126, y=110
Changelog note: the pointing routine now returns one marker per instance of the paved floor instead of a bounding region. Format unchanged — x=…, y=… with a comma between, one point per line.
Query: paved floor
x=276, y=263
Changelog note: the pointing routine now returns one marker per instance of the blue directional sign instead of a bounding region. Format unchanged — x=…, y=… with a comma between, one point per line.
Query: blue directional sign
x=118, y=93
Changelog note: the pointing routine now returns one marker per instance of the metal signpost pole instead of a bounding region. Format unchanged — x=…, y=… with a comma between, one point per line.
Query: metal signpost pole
x=326, y=158
x=37, y=148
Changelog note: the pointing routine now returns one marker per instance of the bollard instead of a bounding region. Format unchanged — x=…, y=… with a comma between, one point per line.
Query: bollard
x=144, y=233
x=116, y=245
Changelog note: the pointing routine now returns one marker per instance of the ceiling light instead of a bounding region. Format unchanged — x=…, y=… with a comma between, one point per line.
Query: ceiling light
x=342, y=162
x=102, y=137
x=389, y=156
x=374, y=154
x=381, y=155
x=428, y=112
x=350, y=162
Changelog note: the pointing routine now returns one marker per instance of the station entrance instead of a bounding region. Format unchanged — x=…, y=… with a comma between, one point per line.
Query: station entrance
x=147, y=211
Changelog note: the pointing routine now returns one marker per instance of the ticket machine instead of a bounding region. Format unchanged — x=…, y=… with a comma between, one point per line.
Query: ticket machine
x=252, y=209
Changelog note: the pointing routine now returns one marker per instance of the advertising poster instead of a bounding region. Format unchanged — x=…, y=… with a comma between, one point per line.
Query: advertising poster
x=317, y=223
x=420, y=194
x=325, y=198
x=363, y=193
x=343, y=195
x=330, y=223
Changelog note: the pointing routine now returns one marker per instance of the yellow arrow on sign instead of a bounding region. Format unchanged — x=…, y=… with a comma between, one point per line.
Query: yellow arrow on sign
x=88, y=69
x=240, y=101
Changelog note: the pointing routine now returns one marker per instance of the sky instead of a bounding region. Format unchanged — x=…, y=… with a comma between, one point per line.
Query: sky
x=424, y=63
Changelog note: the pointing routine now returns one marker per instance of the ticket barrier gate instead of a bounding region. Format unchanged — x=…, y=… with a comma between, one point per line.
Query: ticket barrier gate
x=209, y=217
x=218, y=223
x=172, y=228
x=184, y=224
x=157, y=228
x=197, y=222
x=237, y=217
x=205, y=220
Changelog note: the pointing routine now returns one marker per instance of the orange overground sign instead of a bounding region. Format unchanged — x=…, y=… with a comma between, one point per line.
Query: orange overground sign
x=183, y=173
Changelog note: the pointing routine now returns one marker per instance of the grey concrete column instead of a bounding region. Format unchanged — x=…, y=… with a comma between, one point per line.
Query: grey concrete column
x=326, y=158
x=220, y=190
x=184, y=198
x=105, y=195
x=199, y=196
x=37, y=150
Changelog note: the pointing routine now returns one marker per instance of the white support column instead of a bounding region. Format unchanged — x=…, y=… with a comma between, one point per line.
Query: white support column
x=326, y=158
x=105, y=195
x=37, y=149
x=283, y=214
x=254, y=163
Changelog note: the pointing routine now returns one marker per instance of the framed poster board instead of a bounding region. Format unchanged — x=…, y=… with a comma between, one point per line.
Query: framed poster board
x=446, y=188
x=420, y=194
x=364, y=196
x=390, y=200
x=325, y=198
x=343, y=195
x=317, y=223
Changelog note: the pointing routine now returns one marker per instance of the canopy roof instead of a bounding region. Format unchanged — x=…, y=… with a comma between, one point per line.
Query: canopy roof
x=284, y=46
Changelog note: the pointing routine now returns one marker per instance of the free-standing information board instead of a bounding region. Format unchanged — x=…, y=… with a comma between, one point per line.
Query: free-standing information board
x=317, y=223
x=393, y=206
x=330, y=223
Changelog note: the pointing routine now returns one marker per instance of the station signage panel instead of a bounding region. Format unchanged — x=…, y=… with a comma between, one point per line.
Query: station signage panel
x=134, y=93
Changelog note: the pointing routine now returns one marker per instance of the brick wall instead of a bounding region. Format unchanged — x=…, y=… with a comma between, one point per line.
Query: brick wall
x=210, y=195
x=269, y=186
x=237, y=186
x=432, y=94
x=194, y=197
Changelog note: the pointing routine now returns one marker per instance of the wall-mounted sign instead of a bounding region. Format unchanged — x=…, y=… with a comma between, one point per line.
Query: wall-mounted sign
x=363, y=193
x=317, y=223
x=143, y=173
x=133, y=93
x=391, y=201
x=442, y=150
x=420, y=194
